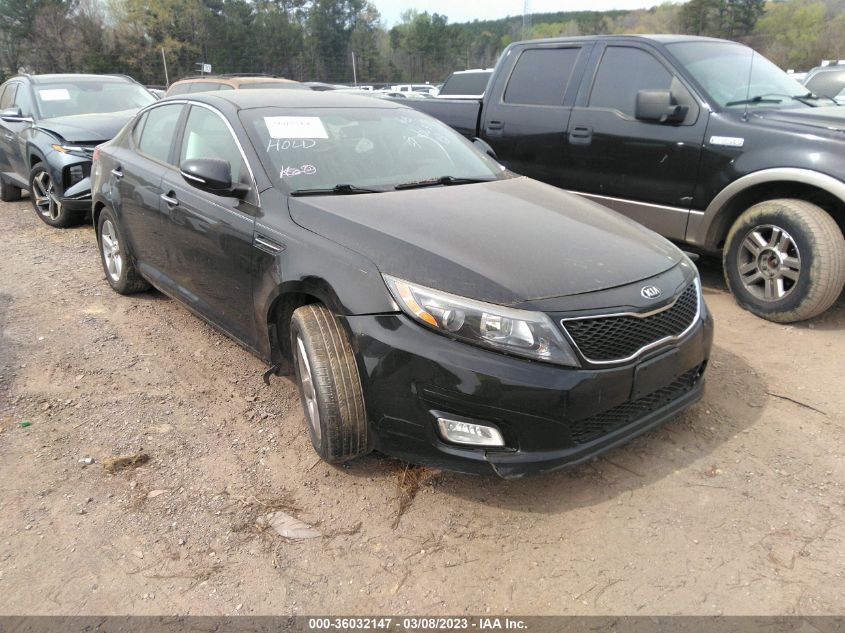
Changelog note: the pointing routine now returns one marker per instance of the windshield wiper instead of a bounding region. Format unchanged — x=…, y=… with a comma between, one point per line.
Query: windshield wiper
x=806, y=98
x=337, y=190
x=442, y=180
x=757, y=99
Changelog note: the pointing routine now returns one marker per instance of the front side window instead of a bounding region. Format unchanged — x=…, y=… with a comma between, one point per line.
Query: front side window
x=24, y=101
x=158, y=131
x=541, y=76
x=208, y=136
x=622, y=73
x=90, y=96
x=380, y=148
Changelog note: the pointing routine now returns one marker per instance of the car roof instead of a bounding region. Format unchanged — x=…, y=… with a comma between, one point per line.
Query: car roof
x=657, y=38
x=236, y=79
x=50, y=78
x=249, y=99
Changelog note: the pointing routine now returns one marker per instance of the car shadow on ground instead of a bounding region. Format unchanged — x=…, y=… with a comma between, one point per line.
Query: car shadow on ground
x=733, y=402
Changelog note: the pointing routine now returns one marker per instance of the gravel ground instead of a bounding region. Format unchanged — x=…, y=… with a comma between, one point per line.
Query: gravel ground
x=735, y=507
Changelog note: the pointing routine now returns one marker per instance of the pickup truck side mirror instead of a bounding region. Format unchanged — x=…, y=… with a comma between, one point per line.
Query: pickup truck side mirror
x=14, y=115
x=212, y=175
x=484, y=146
x=659, y=106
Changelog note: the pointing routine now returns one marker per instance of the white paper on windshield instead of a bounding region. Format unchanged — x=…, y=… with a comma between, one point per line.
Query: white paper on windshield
x=54, y=94
x=295, y=127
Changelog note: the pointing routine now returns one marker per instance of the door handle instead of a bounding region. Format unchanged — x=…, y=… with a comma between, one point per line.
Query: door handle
x=10, y=137
x=170, y=199
x=267, y=245
x=581, y=135
x=495, y=125
x=117, y=173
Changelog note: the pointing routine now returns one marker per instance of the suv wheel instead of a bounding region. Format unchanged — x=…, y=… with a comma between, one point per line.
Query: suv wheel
x=329, y=385
x=784, y=260
x=9, y=193
x=118, y=263
x=45, y=200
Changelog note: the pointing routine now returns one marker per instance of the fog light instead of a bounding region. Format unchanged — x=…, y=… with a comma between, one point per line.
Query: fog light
x=469, y=433
x=75, y=174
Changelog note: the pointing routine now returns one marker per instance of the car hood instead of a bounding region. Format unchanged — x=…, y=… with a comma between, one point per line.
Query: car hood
x=86, y=128
x=827, y=117
x=504, y=242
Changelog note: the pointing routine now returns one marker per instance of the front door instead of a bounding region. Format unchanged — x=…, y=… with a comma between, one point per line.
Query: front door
x=209, y=237
x=644, y=169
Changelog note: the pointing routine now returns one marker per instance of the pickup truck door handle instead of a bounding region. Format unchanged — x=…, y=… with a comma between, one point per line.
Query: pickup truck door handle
x=117, y=172
x=10, y=137
x=495, y=125
x=581, y=135
x=170, y=199
x=267, y=245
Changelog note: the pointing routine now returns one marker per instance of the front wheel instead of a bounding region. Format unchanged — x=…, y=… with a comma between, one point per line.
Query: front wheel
x=329, y=384
x=784, y=260
x=46, y=202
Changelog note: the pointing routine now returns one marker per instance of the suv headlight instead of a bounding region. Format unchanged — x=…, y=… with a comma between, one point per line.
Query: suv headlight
x=519, y=332
x=74, y=150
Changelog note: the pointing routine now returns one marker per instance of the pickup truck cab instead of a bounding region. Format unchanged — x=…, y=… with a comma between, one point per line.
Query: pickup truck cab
x=702, y=140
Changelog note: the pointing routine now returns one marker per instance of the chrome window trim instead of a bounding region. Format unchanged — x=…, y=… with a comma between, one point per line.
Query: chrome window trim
x=639, y=315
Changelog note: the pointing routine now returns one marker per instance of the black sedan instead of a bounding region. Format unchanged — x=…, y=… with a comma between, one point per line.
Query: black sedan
x=433, y=305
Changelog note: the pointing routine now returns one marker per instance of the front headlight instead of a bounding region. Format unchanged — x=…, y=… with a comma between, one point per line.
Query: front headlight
x=520, y=332
x=73, y=150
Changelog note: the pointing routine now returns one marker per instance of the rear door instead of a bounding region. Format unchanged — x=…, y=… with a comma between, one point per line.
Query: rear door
x=526, y=118
x=209, y=237
x=644, y=169
x=137, y=176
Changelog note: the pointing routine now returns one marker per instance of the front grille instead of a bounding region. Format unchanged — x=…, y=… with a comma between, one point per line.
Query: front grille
x=594, y=427
x=615, y=338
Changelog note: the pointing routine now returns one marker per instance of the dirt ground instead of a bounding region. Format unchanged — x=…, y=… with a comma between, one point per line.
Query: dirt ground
x=735, y=507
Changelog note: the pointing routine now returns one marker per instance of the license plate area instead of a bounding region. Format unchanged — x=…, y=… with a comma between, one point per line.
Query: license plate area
x=655, y=374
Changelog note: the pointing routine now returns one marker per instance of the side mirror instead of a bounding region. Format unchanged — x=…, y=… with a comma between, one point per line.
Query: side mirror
x=484, y=146
x=14, y=115
x=212, y=175
x=659, y=106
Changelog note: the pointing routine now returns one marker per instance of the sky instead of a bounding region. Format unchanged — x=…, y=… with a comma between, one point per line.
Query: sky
x=467, y=10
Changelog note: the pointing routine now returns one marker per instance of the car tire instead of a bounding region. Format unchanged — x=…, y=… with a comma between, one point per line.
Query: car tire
x=118, y=262
x=329, y=384
x=9, y=193
x=46, y=203
x=784, y=260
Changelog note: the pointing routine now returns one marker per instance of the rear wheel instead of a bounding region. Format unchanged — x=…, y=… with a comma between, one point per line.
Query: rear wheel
x=784, y=260
x=329, y=384
x=118, y=263
x=46, y=202
x=9, y=193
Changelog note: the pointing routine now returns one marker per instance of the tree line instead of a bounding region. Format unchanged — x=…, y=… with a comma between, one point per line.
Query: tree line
x=316, y=39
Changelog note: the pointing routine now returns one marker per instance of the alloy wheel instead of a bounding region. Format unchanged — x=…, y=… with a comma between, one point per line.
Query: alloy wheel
x=769, y=263
x=46, y=201
x=111, y=250
x=312, y=411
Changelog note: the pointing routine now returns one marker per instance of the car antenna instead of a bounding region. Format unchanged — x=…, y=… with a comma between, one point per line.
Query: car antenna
x=748, y=85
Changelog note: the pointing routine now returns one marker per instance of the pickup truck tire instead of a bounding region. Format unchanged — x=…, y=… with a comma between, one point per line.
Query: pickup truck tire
x=117, y=259
x=329, y=384
x=45, y=201
x=9, y=193
x=784, y=260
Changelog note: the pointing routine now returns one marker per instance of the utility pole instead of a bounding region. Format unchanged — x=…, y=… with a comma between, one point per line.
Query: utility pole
x=526, y=18
x=354, y=71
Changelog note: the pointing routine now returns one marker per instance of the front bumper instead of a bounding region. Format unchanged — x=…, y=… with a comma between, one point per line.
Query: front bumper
x=550, y=416
x=78, y=197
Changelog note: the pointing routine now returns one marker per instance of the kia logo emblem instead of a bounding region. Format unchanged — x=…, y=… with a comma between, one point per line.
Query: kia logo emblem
x=650, y=292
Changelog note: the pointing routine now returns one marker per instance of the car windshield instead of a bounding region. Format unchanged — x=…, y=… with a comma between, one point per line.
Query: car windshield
x=737, y=77
x=378, y=148
x=89, y=96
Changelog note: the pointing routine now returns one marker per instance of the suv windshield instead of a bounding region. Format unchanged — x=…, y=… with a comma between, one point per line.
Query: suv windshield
x=735, y=76
x=321, y=148
x=89, y=96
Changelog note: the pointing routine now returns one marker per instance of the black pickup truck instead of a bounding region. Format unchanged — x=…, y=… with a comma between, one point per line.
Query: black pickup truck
x=702, y=140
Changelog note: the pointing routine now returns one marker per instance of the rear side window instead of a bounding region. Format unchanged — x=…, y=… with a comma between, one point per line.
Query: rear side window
x=179, y=89
x=624, y=71
x=8, y=96
x=208, y=136
x=158, y=131
x=541, y=76
x=466, y=84
x=827, y=83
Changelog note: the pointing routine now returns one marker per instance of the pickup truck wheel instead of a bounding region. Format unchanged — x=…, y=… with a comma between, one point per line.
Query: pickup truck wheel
x=9, y=193
x=329, y=385
x=118, y=263
x=46, y=202
x=784, y=260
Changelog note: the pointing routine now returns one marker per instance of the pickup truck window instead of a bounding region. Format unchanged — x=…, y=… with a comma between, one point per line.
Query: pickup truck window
x=541, y=76
x=622, y=72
